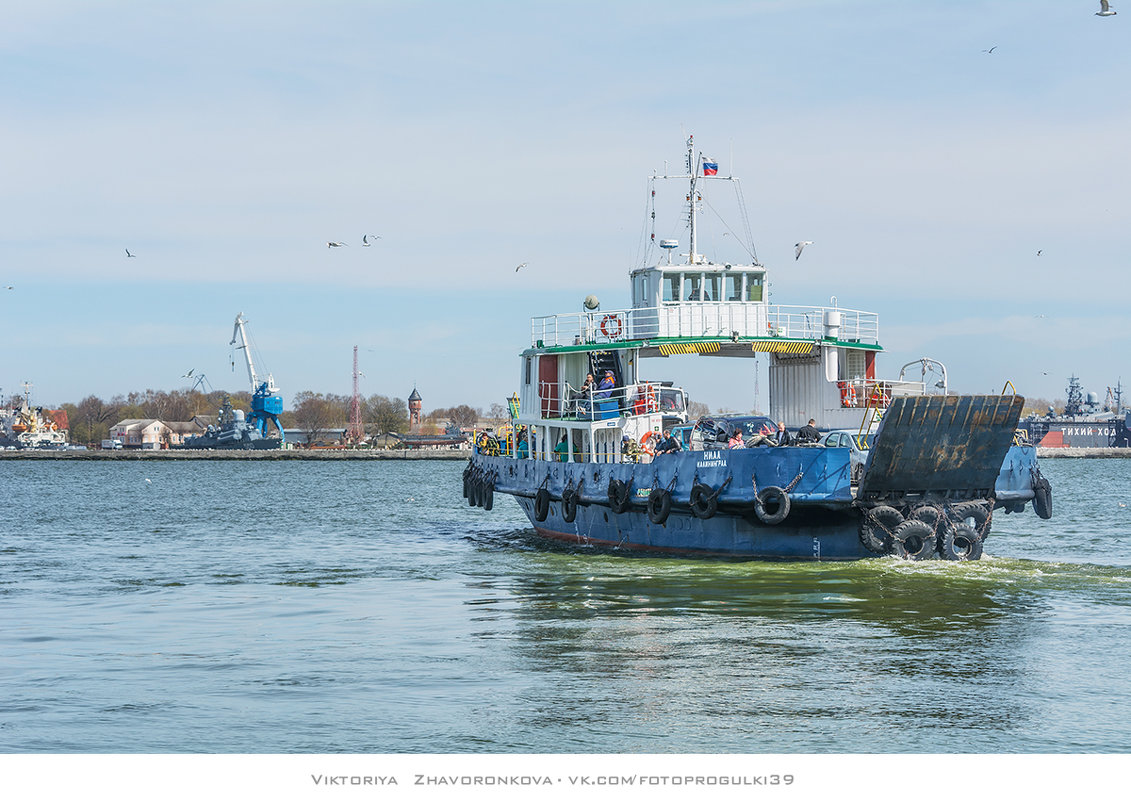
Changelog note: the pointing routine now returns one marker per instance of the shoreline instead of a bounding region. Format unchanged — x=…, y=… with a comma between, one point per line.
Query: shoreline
x=1084, y=453
x=275, y=454
x=403, y=454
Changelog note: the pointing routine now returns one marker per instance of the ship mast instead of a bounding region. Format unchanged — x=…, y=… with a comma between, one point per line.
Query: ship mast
x=693, y=172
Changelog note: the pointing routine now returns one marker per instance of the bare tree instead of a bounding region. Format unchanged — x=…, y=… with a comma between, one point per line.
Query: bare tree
x=696, y=410
x=315, y=414
x=386, y=415
x=498, y=414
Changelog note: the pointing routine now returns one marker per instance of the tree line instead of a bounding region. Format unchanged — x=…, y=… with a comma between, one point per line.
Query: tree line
x=313, y=413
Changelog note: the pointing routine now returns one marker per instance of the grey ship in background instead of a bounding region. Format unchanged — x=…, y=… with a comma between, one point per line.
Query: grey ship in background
x=1085, y=423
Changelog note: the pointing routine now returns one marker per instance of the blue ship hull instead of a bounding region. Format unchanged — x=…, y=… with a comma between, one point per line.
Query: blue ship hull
x=717, y=500
x=824, y=522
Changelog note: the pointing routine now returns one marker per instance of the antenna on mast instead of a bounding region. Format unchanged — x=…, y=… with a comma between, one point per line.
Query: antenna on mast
x=356, y=432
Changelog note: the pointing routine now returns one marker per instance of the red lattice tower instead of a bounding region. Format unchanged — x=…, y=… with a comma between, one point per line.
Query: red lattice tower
x=356, y=432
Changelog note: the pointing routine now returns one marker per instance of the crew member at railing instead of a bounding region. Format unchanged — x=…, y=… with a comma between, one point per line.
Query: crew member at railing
x=669, y=444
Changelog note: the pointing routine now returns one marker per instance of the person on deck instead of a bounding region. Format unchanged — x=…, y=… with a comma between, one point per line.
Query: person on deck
x=605, y=388
x=781, y=436
x=581, y=397
x=668, y=444
x=808, y=432
x=562, y=449
x=522, y=449
x=736, y=440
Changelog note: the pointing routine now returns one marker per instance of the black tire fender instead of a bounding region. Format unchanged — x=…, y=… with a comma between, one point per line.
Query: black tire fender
x=704, y=501
x=914, y=540
x=541, y=504
x=618, y=496
x=961, y=543
x=1042, y=498
x=488, y=495
x=569, y=505
x=877, y=526
x=931, y=515
x=659, y=506
x=772, y=505
x=973, y=510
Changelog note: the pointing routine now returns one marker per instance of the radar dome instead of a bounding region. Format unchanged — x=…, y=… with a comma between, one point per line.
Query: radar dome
x=591, y=302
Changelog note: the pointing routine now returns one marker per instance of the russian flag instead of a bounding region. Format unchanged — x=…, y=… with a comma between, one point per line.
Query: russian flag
x=710, y=168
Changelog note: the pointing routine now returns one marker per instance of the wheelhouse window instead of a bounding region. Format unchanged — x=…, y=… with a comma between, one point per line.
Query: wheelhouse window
x=733, y=287
x=692, y=286
x=754, y=288
x=711, y=283
x=671, y=287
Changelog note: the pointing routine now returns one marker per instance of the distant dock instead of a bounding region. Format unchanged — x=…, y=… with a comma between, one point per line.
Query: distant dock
x=250, y=455
x=402, y=454
x=1084, y=453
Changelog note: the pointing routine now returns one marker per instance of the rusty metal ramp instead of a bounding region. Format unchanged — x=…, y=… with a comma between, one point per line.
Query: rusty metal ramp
x=945, y=446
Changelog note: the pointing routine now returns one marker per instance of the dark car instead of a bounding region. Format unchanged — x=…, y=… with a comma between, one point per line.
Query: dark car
x=710, y=432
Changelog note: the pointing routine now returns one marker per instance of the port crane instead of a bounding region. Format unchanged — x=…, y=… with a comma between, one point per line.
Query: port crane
x=266, y=399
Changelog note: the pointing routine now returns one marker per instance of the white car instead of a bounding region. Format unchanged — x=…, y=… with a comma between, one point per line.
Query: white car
x=858, y=449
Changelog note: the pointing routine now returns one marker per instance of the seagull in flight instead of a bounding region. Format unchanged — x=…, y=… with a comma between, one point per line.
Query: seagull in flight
x=365, y=243
x=1105, y=9
x=1039, y=252
x=189, y=373
x=800, y=246
x=336, y=245
x=519, y=267
x=992, y=49
x=130, y=255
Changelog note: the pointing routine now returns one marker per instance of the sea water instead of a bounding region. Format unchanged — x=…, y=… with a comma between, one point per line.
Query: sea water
x=363, y=607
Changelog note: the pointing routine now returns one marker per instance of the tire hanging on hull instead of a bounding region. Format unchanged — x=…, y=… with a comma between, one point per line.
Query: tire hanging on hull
x=659, y=506
x=914, y=540
x=569, y=505
x=618, y=496
x=772, y=505
x=1042, y=498
x=877, y=526
x=541, y=504
x=704, y=501
x=961, y=543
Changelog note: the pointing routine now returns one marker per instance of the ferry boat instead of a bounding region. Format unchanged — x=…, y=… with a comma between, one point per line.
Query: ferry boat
x=919, y=476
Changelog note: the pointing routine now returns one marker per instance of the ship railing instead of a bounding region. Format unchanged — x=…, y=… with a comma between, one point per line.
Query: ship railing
x=873, y=393
x=698, y=319
x=641, y=398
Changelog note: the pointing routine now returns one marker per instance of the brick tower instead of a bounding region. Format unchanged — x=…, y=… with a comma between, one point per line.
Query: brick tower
x=414, y=404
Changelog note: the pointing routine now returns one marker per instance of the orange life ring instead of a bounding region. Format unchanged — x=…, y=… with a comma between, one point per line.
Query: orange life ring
x=607, y=323
x=647, y=442
x=847, y=394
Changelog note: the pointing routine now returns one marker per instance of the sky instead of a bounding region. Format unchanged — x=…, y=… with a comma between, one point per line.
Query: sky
x=225, y=143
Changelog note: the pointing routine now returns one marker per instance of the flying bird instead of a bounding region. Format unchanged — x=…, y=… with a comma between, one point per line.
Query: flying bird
x=1105, y=9
x=519, y=267
x=365, y=240
x=800, y=246
x=992, y=49
x=1039, y=252
x=189, y=373
x=336, y=245
x=130, y=255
